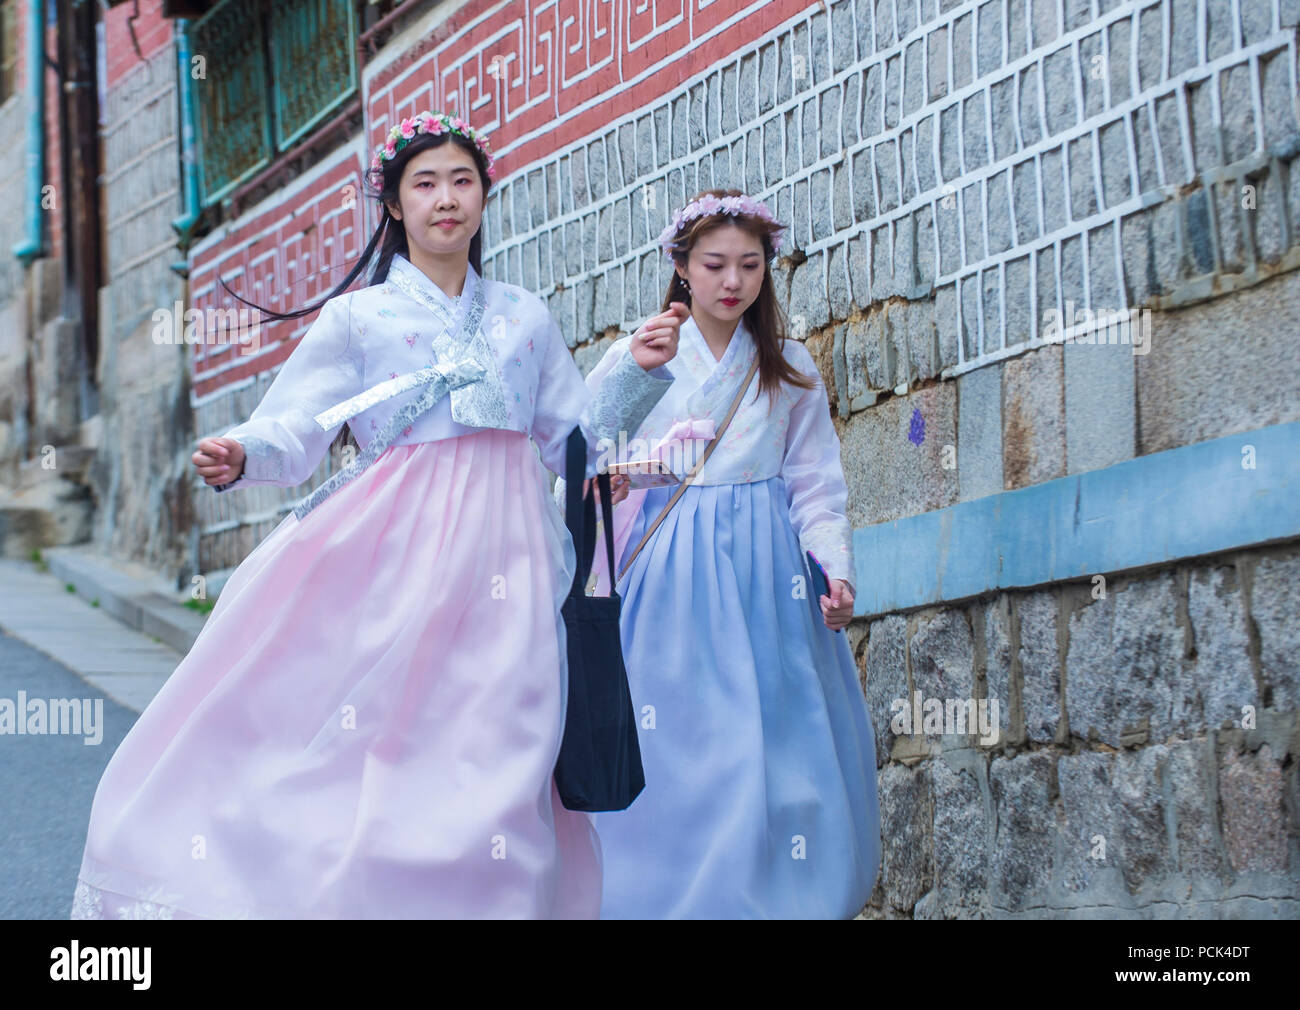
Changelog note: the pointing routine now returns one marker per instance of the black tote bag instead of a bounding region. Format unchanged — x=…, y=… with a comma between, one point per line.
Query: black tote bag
x=599, y=767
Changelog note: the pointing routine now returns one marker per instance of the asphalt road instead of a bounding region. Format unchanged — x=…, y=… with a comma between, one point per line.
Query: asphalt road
x=47, y=783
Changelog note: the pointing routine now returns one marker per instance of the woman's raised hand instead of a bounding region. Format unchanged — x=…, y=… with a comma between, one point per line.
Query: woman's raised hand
x=655, y=341
x=219, y=460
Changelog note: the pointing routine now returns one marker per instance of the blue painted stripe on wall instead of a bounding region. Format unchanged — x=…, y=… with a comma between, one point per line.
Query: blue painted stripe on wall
x=1197, y=499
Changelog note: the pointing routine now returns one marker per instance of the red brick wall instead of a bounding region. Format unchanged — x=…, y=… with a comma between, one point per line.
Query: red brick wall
x=280, y=259
x=152, y=32
x=624, y=60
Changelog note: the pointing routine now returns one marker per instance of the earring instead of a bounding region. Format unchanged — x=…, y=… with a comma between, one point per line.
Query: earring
x=686, y=284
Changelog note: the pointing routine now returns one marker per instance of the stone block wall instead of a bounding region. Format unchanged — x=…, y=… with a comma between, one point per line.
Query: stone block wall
x=1144, y=761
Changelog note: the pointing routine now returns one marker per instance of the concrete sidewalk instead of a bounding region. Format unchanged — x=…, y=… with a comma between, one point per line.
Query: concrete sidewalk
x=127, y=646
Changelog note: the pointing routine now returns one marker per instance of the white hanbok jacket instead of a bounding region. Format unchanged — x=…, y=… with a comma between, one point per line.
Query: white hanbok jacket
x=796, y=440
x=362, y=338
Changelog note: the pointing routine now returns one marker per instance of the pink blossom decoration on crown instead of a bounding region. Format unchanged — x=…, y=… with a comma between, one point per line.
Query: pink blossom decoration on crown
x=434, y=123
x=709, y=204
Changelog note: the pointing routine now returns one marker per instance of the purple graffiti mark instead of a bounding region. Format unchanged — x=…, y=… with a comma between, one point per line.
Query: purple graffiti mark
x=916, y=432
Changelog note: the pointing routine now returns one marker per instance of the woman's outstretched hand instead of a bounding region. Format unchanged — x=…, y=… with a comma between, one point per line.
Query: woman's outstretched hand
x=655, y=341
x=219, y=460
x=837, y=609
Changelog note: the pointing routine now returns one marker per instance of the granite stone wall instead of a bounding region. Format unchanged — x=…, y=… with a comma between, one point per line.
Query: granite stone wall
x=1143, y=763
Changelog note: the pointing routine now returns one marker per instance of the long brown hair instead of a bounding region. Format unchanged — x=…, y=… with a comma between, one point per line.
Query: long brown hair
x=764, y=317
x=390, y=232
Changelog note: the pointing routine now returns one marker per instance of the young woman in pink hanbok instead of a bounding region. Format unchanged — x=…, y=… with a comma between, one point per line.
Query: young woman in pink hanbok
x=760, y=798
x=368, y=724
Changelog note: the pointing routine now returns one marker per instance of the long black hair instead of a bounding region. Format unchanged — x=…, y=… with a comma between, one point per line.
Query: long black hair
x=390, y=237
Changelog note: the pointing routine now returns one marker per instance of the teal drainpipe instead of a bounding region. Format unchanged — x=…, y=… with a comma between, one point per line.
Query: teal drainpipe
x=30, y=248
x=185, y=224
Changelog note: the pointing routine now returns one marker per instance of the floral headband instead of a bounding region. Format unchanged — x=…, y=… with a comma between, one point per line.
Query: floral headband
x=436, y=124
x=709, y=204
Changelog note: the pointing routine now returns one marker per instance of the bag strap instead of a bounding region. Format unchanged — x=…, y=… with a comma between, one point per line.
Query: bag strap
x=607, y=514
x=690, y=477
x=574, y=512
x=580, y=517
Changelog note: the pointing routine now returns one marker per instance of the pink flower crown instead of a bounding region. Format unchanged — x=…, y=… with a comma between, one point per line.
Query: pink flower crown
x=709, y=204
x=434, y=123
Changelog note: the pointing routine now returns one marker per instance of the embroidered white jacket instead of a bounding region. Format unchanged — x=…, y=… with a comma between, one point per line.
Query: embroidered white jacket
x=364, y=337
x=796, y=441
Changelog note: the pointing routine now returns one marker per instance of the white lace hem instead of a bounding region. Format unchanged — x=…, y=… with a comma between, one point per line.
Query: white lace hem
x=90, y=902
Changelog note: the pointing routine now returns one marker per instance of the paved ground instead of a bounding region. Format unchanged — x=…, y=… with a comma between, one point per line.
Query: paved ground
x=55, y=646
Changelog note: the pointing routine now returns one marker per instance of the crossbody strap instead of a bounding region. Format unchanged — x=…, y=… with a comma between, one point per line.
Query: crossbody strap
x=708, y=451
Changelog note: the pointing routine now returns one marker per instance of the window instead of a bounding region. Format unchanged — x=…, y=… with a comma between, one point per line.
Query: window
x=264, y=74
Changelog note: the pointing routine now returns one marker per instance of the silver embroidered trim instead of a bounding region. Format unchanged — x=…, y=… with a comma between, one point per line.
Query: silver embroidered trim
x=389, y=388
x=448, y=376
x=479, y=404
x=476, y=405
x=267, y=459
x=623, y=399
x=401, y=274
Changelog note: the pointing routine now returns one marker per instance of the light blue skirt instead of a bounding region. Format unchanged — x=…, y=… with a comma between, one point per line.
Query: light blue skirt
x=760, y=797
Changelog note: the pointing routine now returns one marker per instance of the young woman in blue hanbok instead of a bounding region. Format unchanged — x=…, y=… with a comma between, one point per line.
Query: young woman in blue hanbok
x=761, y=796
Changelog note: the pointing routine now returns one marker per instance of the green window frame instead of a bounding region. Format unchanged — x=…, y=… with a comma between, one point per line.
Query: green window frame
x=272, y=72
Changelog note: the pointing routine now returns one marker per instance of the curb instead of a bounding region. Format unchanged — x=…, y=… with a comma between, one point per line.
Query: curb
x=119, y=661
x=141, y=603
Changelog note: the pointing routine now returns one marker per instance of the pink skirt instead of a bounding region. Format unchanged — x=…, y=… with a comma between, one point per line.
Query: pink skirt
x=368, y=724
